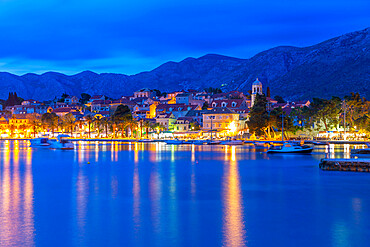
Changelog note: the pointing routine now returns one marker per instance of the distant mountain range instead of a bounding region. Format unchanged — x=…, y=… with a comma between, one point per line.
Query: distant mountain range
x=334, y=67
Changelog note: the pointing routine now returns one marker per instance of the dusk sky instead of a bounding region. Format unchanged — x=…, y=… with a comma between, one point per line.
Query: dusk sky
x=71, y=36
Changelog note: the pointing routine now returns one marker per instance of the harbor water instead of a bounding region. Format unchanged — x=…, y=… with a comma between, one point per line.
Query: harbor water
x=153, y=194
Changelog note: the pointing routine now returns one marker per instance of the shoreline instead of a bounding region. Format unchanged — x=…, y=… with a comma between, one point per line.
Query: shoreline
x=164, y=140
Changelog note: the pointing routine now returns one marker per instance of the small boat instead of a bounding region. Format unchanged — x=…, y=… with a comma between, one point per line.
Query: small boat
x=291, y=148
x=62, y=142
x=213, y=142
x=41, y=142
x=232, y=142
x=174, y=142
x=361, y=150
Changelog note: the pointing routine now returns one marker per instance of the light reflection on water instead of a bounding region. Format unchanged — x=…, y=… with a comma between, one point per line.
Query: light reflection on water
x=16, y=198
x=233, y=227
x=153, y=194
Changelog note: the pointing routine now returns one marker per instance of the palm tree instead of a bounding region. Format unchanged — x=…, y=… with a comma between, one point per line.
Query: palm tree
x=147, y=125
x=131, y=124
x=89, y=120
x=51, y=120
x=69, y=121
x=105, y=122
x=141, y=123
x=22, y=128
x=35, y=122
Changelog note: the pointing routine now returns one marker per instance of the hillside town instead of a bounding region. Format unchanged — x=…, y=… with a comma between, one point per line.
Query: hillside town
x=150, y=114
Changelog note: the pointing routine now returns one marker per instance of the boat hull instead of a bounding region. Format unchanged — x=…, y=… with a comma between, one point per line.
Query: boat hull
x=302, y=151
x=63, y=146
x=40, y=143
x=174, y=142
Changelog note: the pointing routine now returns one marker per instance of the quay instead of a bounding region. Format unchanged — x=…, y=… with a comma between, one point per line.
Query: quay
x=352, y=165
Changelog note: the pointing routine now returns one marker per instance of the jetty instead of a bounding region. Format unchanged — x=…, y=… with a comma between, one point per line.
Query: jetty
x=350, y=165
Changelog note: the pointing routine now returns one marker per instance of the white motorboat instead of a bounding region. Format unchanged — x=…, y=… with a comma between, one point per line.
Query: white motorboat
x=290, y=148
x=174, y=142
x=41, y=142
x=62, y=142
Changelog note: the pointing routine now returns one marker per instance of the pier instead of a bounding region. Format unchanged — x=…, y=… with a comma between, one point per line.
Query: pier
x=351, y=165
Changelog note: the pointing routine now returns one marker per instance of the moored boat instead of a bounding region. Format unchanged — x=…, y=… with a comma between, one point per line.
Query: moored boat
x=213, y=142
x=361, y=150
x=290, y=148
x=174, y=142
x=41, y=142
x=62, y=142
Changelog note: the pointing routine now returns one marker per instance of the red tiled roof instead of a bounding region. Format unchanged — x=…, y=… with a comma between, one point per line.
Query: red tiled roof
x=175, y=107
x=228, y=102
x=62, y=109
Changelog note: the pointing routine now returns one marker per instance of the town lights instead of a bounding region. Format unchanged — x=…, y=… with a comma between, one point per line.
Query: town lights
x=232, y=127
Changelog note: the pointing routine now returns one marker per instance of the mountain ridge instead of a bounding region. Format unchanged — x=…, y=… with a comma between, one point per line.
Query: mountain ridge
x=336, y=66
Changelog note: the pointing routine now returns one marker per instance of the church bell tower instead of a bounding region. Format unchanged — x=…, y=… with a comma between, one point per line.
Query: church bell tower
x=256, y=89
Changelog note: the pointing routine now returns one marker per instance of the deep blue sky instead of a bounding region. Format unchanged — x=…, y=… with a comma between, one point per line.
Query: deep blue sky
x=132, y=36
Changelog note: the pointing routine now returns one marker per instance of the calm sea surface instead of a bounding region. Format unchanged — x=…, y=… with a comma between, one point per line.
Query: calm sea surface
x=114, y=194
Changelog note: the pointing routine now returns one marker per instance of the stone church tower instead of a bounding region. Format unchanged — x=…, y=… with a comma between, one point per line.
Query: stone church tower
x=256, y=89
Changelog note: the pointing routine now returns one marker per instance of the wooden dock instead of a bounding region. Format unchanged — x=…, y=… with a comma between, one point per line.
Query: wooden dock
x=349, y=165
